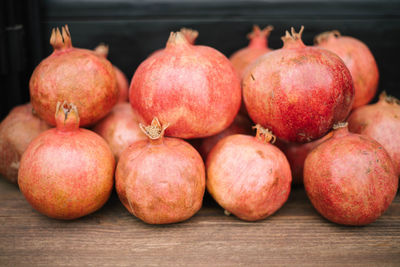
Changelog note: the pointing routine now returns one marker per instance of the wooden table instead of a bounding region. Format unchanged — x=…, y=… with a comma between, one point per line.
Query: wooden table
x=295, y=235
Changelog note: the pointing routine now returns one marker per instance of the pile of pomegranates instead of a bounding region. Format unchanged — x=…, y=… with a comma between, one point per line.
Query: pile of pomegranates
x=299, y=96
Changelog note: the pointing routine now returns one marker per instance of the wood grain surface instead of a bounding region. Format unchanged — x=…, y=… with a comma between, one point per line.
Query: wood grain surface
x=295, y=235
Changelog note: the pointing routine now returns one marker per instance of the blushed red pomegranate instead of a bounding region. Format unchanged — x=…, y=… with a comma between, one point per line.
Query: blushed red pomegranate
x=122, y=81
x=75, y=75
x=298, y=91
x=17, y=130
x=120, y=128
x=296, y=154
x=257, y=47
x=350, y=178
x=358, y=59
x=381, y=122
x=160, y=180
x=194, y=88
x=67, y=172
x=240, y=125
x=248, y=176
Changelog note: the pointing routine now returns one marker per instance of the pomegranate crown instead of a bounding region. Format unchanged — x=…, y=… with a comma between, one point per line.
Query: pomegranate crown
x=257, y=32
x=264, y=134
x=190, y=34
x=155, y=130
x=388, y=98
x=67, y=116
x=325, y=36
x=177, y=39
x=293, y=39
x=60, y=40
x=101, y=50
x=339, y=125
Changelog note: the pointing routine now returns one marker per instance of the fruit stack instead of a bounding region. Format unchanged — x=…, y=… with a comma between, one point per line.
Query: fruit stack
x=188, y=127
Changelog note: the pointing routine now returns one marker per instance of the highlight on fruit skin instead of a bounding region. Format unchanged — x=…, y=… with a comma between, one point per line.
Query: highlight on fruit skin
x=339, y=175
x=76, y=75
x=298, y=91
x=160, y=180
x=67, y=172
x=248, y=176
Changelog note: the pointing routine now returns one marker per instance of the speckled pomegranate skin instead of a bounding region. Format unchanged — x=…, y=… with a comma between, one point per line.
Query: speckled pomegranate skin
x=296, y=154
x=120, y=128
x=78, y=76
x=67, y=172
x=17, y=130
x=381, y=122
x=122, y=84
x=350, y=178
x=240, y=125
x=247, y=177
x=161, y=183
x=361, y=63
x=298, y=92
x=193, y=88
x=257, y=47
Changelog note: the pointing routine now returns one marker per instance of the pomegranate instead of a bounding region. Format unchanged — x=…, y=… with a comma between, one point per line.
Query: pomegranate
x=257, y=47
x=298, y=91
x=160, y=180
x=194, y=88
x=17, y=130
x=120, y=128
x=296, y=154
x=380, y=121
x=75, y=75
x=240, y=125
x=122, y=81
x=350, y=178
x=67, y=172
x=358, y=59
x=248, y=176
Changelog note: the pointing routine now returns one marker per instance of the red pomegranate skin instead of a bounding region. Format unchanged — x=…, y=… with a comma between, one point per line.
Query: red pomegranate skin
x=75, y=75
x=296, y=155
x=358, y=59
x=122, y=81
x=298, y=91
x=248, y=177
x=67, y=172
x=17, y=130
x=381, y=122
x=120, y=128
x=161, y=180
x=240, y=125
x=257, y=47
x=193, y=88
x=350, y=178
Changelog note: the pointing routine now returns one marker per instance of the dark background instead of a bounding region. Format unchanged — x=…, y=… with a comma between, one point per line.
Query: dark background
x=133, y=29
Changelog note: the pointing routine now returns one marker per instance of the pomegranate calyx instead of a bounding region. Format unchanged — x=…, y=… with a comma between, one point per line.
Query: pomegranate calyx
x=340, y=125
x=61, y=40
x=293, y=39
x=101, y=50
x=388, y=98
x=177, y=39
x=258, y=38
x=67, y=116
x=155, y=130
x=190, y=34
x=326, y=36
x=263, y=134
